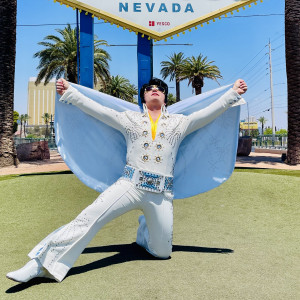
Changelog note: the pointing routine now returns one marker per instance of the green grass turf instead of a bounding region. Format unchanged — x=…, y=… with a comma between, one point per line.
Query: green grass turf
x=239, y=241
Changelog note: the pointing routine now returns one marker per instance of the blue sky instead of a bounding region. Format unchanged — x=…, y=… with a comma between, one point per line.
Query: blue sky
x=237, y=45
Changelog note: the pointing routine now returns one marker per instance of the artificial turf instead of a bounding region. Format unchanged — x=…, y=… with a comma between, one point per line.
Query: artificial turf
x=239, y=241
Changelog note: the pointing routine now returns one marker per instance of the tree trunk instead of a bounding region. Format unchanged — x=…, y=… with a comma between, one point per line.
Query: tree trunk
x=292, y=42
x=198, y=84
x=198, y=89
x=46, y=130
x=8, y=11
x=177, y=90
x=71, y=77
x=21, y=129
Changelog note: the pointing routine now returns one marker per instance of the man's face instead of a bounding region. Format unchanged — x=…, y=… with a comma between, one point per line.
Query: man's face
x=154, y=96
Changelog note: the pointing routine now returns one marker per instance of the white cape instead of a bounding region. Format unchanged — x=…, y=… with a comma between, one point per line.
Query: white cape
x=96, y=153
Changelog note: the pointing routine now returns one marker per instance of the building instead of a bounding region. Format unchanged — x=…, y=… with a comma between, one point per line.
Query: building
x=41, y=99
x=249, y=124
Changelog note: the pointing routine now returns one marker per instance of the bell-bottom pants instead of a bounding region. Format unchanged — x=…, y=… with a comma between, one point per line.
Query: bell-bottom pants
x=60, y=249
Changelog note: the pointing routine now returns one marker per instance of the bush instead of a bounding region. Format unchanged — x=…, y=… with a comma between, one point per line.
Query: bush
x=31, y=136
x=282, y=132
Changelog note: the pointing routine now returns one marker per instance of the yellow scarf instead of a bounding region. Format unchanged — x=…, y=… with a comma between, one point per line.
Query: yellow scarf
x=153, y=126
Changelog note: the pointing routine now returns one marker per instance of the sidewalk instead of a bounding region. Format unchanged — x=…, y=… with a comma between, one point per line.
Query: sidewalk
x=56, y=163
x=263, y=161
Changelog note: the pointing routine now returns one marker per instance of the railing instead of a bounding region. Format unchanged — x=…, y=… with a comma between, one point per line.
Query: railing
x=51, y=141
x=266, y=141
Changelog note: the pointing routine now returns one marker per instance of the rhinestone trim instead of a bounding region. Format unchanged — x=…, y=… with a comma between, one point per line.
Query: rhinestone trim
x=148, y=181
x=168, y=183
x=128, y=172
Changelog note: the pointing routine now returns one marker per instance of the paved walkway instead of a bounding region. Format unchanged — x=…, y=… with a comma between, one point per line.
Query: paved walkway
x=264, y=161
x=56, y=163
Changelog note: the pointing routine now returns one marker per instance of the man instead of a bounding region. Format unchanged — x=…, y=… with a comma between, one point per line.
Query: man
x=152, y=139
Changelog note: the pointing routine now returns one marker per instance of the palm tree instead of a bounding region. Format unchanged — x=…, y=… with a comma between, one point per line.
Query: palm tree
x=46, y=118
x=292, y=42
x=8, y=154
x=172, y=68
x=120, y=87
x=263, y=121
x=195, y=69
x=59, y=58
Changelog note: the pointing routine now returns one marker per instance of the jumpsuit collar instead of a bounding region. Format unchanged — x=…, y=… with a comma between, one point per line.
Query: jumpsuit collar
x=164, y=113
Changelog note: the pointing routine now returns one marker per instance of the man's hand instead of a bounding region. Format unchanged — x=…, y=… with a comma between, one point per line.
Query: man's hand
x=240, y=86
x=61, y=86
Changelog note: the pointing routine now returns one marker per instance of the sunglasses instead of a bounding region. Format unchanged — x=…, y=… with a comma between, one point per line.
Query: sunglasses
x=151, y=87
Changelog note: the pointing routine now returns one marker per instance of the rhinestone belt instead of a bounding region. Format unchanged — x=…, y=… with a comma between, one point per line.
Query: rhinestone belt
x=148, y=181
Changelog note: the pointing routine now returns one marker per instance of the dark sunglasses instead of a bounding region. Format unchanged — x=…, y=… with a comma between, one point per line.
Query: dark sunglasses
x=151, y=87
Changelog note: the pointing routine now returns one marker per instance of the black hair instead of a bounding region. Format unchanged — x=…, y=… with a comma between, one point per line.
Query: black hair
x=154, y=81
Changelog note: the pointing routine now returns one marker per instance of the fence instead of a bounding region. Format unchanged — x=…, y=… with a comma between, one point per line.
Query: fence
x=266, y=141
x=51, y=142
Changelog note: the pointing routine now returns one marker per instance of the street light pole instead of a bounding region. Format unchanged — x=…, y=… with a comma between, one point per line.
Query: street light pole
x=248, y=119
x=272, y=98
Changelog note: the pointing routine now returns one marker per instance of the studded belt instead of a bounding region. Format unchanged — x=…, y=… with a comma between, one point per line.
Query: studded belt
x=148, y=181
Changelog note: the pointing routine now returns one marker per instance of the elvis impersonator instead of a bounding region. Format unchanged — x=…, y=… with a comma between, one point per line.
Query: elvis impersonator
x=152, y=141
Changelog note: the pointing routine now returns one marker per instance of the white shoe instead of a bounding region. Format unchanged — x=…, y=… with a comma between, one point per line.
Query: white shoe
x=31, y=270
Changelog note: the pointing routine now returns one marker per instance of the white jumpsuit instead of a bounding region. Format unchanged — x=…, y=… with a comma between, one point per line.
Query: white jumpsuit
x=60, y=249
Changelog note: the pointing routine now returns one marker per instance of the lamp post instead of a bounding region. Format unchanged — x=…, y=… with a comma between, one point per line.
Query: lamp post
x=52, y=132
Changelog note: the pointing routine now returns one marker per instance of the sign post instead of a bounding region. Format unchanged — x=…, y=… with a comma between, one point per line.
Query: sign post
x=86, y=50
x=145, y=61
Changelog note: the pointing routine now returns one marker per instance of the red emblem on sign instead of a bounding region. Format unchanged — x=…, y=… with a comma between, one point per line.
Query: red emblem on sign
x=151, y=23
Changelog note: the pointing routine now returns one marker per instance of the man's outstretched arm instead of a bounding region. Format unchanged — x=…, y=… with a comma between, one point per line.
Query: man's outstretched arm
x=107, y=115
x=204, y=116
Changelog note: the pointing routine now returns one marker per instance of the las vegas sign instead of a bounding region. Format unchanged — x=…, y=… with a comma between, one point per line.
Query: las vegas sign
x=158, y=19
